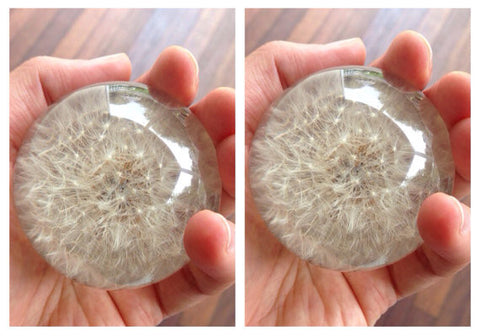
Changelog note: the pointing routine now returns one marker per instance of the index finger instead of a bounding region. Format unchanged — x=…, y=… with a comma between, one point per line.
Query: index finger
x=175, y=72
x=409, y=58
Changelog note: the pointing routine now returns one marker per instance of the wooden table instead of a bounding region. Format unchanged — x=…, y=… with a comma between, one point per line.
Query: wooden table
x=142, y=33
x=448, y=31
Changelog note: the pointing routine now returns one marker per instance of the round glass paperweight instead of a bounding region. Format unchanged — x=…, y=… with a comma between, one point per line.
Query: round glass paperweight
x=105, y=182
x=340, y=164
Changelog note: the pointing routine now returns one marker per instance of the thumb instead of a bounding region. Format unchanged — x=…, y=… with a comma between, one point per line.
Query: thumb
x=444, y=224
x=209, y=240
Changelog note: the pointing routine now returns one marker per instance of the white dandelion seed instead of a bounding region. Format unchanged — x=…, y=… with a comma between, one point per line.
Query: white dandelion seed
x=350, y=201
x=86, y=204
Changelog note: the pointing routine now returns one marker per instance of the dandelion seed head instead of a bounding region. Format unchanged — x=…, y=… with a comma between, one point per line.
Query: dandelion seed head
x=350, y=201
x=105, y=204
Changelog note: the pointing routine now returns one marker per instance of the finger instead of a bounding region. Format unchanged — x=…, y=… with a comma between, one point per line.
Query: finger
x=409, y=58
x=444, y=224
x=209, y=240
x=277, y=65
x=451, y=96
x=461, y=187
x=175, y=73
x=216, y=112
x=227, y=204
x=210, y=243
x=41, y=81
x=460, y=143
x=226, y=164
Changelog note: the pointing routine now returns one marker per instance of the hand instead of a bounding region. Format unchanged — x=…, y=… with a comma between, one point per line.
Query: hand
x=39, y=295
x=282, y=289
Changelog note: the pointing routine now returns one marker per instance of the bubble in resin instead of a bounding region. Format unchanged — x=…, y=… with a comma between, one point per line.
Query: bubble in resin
x=106, y=180
x=341, y=163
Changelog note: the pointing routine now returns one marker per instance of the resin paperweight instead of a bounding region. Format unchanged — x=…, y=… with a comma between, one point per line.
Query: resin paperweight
x=106, y=180
x=341, y=163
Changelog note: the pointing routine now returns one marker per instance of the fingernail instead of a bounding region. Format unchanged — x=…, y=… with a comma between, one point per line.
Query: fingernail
x=108, y=58
x=343, y=42
x=230, y=241
x=194, y=61
x=463, y=227
x=430, y=52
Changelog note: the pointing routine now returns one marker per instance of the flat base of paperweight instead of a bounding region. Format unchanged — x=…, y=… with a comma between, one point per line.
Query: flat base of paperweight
x=341, y=163
x=106, y=180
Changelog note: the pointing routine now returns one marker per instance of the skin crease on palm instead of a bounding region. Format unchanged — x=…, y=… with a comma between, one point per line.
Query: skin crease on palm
x=282, y=289
x=39, y=295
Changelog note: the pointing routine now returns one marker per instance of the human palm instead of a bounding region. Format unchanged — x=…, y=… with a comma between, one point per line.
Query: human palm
x=39, y=295
x=282, y=289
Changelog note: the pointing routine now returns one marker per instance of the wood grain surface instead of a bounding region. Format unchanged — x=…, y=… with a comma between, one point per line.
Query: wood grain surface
x=448, y=31
x=141, y=33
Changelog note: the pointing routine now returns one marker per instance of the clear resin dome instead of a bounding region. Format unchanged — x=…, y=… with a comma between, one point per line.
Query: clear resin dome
x=341, y=163
x=106, y=180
